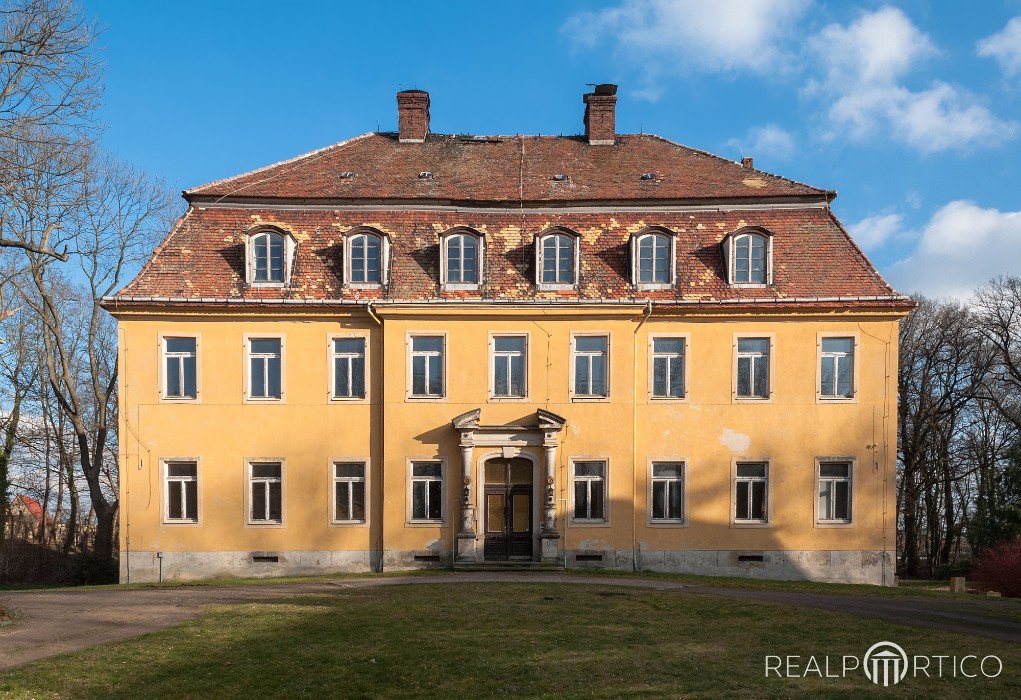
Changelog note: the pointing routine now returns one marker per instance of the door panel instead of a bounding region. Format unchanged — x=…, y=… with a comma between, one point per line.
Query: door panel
x=508, y=509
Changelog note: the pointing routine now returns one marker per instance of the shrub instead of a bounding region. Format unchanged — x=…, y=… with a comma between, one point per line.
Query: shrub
x=999, y=569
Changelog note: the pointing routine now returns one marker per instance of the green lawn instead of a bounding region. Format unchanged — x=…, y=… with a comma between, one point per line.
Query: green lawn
x=497, y=639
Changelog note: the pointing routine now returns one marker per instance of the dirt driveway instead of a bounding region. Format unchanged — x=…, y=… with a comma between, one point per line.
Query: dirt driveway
x=52, y=622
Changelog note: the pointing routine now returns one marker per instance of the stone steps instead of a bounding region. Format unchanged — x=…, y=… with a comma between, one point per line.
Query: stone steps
x=507, y=566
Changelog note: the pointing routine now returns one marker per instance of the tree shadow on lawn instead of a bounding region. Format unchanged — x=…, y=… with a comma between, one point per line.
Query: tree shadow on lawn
x=495, y=639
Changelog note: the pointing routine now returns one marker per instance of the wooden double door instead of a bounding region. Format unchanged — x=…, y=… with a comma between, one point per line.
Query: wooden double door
x=508, y=509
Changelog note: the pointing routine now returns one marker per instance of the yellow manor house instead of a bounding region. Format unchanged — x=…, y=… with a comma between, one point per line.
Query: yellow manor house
x=414, y=349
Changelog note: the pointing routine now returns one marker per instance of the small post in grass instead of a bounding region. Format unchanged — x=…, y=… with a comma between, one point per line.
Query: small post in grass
x=957, y=584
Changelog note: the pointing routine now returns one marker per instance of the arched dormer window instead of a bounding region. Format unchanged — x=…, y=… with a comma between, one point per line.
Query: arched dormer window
x=268, y=254
x=461, y=255
x=749, y=257
x=556, y=259
x=652, y=259
x=368, y=253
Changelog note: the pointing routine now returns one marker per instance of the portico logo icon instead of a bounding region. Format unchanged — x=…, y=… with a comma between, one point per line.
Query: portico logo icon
x=885, y=663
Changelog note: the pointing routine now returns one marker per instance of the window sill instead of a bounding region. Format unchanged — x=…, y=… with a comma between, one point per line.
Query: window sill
x=348, y=523
x=749, y=285
x=425, y=523
x=257, y=400
x=267, y=285
x=508, y=399
x=456, y=287
x=264, y=525
x=751, y=524
x=349, y=399
x=364, y=285
x=668, y=399
x=179, y=399
x=836, y=399
x=181, y=523
x=589, y=523
x=834, y=524
x=752, y=399
x=654, y=286
x=667, y=524
x=430, y=399
x=557, y=287
x=590, y=399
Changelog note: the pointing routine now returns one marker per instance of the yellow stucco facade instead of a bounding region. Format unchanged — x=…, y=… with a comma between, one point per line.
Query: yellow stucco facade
x=708, y=431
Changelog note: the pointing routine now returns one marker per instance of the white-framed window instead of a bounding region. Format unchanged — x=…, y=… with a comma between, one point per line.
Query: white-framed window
x=751, y=492
x=265, y=368
x=836, y=368
x=667, y=504
x=348, y=367
x=652, y=259
x=349, y=492
x=748, y=256
x=269, y=255
x=461, y=260
x=668, y=367
x=590, y=366
x=835, y=494
x=180, y=367
x=181, y=495
x=589, y=477
x=510, y=366
x=367, y=259
x=427, y=366
x=557, y=260
x=265, y=493
x=427, y=490
x=753, y=380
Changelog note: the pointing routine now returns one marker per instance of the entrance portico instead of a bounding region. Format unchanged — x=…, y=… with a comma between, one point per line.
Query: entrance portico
x=507, y=442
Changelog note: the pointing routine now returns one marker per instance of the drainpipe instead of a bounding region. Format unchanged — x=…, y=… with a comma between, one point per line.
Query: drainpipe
x=634, y=436
x=382, y=442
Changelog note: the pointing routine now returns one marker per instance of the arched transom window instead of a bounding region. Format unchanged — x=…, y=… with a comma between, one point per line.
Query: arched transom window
x=557, y=259
x=267, y=257
x=749, y=258
x=652, y=254
x=462, y=259
x=366, y=258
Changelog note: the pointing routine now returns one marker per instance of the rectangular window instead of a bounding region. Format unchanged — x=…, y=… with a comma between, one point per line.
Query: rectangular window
x=264, y=356
x=753, y=368
x=265, y=496
x=668, y=368
x=590, y=490
x=349, y=492
x=668, y=491
x=836, y=369
x=590, y=366
x=349, y=368
x=427, y=491
x=750, y=492
x=427, y=366
x=180, y=371
x=509, y=362
x=835, y=492
x=182, y=496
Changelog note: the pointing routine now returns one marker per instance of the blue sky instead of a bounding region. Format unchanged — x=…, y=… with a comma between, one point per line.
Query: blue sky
x=911, y=111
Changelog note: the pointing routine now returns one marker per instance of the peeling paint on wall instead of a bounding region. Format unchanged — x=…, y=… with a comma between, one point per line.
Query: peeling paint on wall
x=735, y=442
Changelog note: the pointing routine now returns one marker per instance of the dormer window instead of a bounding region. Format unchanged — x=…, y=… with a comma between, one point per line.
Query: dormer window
x=367, y=257
x=557, y=260
x=461, y=260
x=652, y=260
x=269, y=257
x=748, y=254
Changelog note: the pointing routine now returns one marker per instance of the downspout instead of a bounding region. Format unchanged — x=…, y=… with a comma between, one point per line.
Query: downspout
x=382, y=442
x=634, y=436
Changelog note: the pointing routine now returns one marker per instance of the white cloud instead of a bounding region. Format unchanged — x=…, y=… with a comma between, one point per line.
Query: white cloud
x=962, y=247
x=874, y=231
x=767, y=140
x=865, y=64
x=678, y=34
x=1004, y=47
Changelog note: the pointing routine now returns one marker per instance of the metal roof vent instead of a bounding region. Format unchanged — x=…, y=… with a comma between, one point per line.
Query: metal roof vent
x=425, y=175
x=560, y=177
x=347, y=175
x=648, y=176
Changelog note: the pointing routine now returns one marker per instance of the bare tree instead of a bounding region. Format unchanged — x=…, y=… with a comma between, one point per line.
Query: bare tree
x=998, y=317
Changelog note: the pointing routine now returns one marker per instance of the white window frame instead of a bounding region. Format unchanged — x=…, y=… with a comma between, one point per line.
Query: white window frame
x=411, y=353
x=493, y=396
x=249, y=484
x=852, y=468
x=331, y=369
x=248, y=338
x=289, y=248
x=539, y=240
x=165, y=463
x=770, y=368
x=590, y=522
x=410, y=520
x=573, y=354
x=445, y=239
x=730, y=257
x=668, y=522
x=635, y=262
x=819, y=396
x=163, y=336
x=686, y=337
x=734, y=522
x=384, y=258
x=334, y=479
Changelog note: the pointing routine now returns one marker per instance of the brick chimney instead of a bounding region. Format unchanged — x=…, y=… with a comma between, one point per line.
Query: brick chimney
x=747, y=163
x=412, y=115
x=600, y=115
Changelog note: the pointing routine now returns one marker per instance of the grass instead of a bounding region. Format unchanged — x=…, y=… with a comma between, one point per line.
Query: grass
x=456, y=640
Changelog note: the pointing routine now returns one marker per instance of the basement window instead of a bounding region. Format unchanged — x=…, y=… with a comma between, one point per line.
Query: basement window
x=751, y=558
